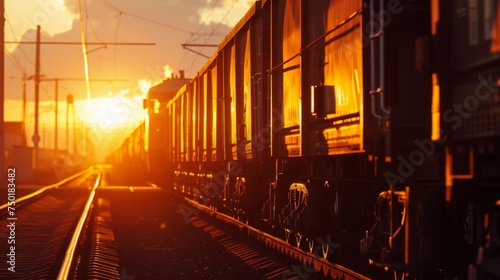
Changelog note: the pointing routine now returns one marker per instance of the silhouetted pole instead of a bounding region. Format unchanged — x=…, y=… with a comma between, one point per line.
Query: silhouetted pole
x=67, y=122
x=74, y=128
x=36, y=136
x=25, y=80
x=57, y=97
x=24, y=106
x=69, y=102
x=2, y=93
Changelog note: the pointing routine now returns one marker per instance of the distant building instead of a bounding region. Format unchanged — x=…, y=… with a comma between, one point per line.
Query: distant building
x=13, y=136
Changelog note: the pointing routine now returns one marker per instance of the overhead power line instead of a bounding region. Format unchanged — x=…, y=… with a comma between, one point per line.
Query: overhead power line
x=186, y=47
x=86, y=43
x=113, y=7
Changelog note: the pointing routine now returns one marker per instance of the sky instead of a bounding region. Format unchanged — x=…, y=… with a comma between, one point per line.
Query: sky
x=114, y=105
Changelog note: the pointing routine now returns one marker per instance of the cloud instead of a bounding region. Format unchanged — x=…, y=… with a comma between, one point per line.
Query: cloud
x=226, y=12
x=52, y=15
x=72, y=6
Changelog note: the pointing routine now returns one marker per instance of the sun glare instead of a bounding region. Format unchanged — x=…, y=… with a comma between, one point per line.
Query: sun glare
x=108, y=113
x=53, y=16
x=168, y=71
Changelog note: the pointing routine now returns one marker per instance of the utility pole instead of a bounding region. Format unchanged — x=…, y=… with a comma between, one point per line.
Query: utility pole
x=36, y=136
x=55, y=127
x=69, y=104
x=24, y=107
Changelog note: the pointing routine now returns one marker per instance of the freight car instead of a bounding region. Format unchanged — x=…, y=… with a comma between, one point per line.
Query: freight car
x=156, y=124
x=371, y=124
x=130, y=155
x=144, y=151
x=467, y=103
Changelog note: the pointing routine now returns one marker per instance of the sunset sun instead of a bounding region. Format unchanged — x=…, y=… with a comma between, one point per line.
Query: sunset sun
x=107, y=113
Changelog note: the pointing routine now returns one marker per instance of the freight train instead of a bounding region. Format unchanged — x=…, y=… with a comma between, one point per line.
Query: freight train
x=372, y=124
x=142, y=152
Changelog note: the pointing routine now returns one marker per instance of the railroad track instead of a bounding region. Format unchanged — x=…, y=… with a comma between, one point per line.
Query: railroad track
x=307, y=265
x=265, y=266
x=52, y=230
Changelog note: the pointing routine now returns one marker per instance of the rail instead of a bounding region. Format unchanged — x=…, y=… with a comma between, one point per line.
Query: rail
x=70, y=252
x=320, y=264
x=44, y=189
